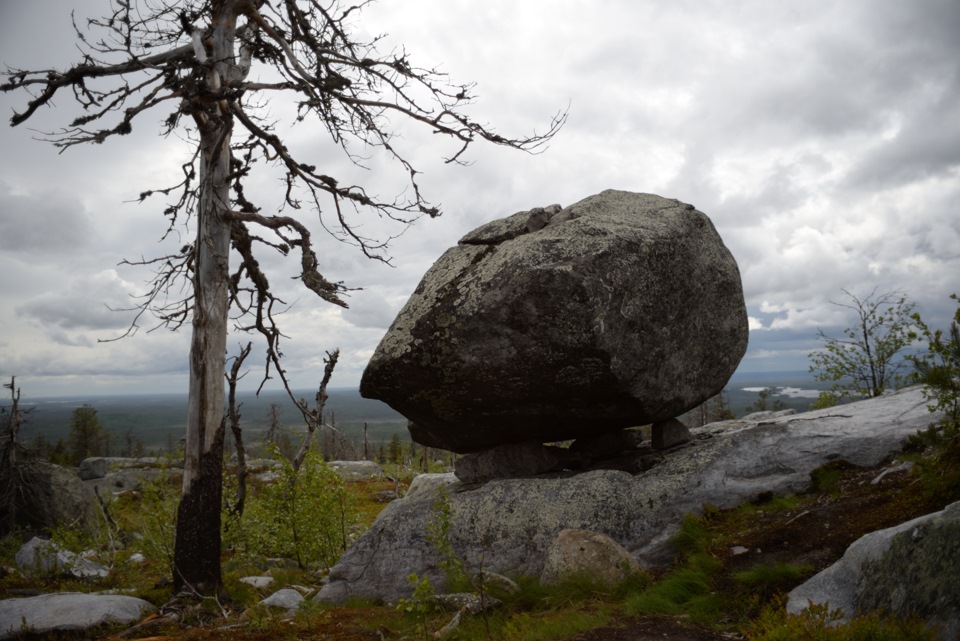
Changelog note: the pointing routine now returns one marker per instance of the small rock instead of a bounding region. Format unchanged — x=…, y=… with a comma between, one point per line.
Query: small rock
x=356, y=470
x=385, y=496
x=737, y=550
x=581, y=552
x=137, y=558
x=287, y=598
x=39, y=557
x=68, y=611
x=457, y=601
x=903, y=467
x=257, y=581
x=496, y=582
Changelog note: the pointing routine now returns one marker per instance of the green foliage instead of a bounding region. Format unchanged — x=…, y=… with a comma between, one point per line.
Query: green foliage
x=826, y=479
x=304, y=515
x=438, y=533
x=939, y=369
x=692, y=537
x=541, y=626
x=688, y=591
x=87, y=437
x=420, y=605
x=867, y=360
x=766, y=579
x=820, y=623
x=156, y=520
x=689, y=588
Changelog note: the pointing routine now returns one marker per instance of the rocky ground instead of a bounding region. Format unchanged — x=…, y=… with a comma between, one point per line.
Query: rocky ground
x=813, y=530
x=815, y=533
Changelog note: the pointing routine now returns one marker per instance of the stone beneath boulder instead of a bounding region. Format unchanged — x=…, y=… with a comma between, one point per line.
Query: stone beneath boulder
x=621, y=310
x=576, y=553
x=511, y=460
x=506, y=525
x=909, y=569
x=41, y=558
x=68, y=611
x=669, y=433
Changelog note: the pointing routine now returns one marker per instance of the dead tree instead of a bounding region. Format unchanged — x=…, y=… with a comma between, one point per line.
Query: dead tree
x=207, y=67
x=233, y=414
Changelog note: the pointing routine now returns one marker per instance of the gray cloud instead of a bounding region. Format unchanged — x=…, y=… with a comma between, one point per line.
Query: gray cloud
x=822, y=138
x=42, y=224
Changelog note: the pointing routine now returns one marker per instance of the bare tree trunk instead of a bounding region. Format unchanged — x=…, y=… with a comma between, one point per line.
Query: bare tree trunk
x=197, y=549
x=314, y=417
x=233, y=413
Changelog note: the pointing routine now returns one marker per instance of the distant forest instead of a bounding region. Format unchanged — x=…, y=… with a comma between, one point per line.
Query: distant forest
x=158, y=422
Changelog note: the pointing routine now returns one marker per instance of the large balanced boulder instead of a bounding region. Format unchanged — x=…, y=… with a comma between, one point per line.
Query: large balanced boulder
x=507, y=525
x=620, y=310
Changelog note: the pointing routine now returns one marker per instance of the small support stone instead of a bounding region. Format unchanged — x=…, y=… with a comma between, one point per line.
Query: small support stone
x=669, y=433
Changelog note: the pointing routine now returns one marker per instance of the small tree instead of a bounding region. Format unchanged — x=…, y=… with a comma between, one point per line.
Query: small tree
x=939, y=369
x=87, y=437
x=869, y=358
x=11, y=479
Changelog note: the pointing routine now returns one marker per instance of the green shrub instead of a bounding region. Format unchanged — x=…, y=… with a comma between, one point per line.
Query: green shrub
x=820, y=623
x=765, y=579
x=305, y=515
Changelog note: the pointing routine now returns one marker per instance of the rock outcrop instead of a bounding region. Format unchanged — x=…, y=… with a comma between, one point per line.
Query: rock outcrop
x=506, y=525
x=909, y=569
x=66, y=611
x=52, y=495
x=621, y=310
x=41, y=558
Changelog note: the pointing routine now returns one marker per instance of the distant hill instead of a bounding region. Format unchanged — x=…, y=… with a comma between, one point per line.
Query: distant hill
x=160, y=419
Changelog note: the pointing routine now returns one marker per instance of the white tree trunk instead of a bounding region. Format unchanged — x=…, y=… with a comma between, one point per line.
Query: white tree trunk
x=197, y=549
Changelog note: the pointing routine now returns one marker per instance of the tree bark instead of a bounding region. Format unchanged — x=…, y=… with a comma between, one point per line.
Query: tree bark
x=197, y=546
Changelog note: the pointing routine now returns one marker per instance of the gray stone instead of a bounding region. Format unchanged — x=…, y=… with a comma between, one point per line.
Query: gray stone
x=92, y=468
x=287, y=598
x=607, y=446
x=506, y=525
x=505, y=461
x=40, y=558
x=496, y=583
x=669, y=433
x=912, y=568
x=583, y=553
x=68, y=611
x=258, y=581
x=628, y=312
x=356, y=470
x=768, y=414
x=97, y=467
x=53, y=495
x=457, y=601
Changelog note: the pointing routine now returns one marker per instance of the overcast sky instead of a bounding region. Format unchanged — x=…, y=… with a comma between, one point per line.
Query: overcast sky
x=821, y=137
